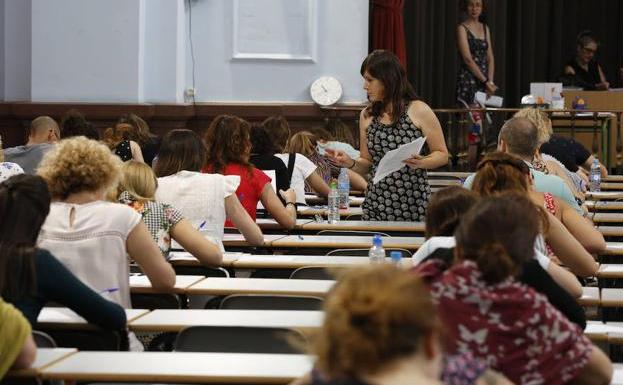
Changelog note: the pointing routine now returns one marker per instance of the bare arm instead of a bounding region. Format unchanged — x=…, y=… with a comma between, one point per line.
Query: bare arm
x=555, y=169
x=357, y=182
x=565, y=279
x=569, y=250
x=317, y=184
x=137, y=153
x=285, y=216
x=27, y=355
x=192, y=241
x=243, y=222
x=589, y=162
x=362, y=164
x=490, y=57
x=597, y=371
x=144, y=251
x=603, y=84
x=422, y=116
x=581, y=228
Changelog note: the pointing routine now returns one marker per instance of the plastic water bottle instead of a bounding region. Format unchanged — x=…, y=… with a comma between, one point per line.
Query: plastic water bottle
x=343, y=188
x=595, y=177
x=377, y=252
x=334, y=203
x=396, y=257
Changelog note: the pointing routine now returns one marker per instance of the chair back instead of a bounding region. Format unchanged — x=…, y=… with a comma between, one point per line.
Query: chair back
x=312, y=272
x=43, y=340
x=231, y=339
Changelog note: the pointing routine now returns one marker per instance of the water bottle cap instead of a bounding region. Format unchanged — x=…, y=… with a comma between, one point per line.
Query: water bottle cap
x=377, y=240
x=395, y=256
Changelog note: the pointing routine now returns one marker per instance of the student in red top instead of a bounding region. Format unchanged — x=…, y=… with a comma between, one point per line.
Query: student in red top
x=228, y=140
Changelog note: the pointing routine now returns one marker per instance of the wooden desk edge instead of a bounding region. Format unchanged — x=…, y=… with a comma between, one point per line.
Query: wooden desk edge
x=37, y=372
x=166, y=378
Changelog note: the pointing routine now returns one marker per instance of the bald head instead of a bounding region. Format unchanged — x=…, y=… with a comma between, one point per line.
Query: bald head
x=43, y=129
x=518, y=136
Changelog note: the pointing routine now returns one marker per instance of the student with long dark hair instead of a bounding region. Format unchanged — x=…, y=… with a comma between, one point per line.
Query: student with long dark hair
x=395, y=116
x=30, y=276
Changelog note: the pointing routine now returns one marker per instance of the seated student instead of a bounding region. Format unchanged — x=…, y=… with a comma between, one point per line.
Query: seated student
x=305, y=143
x=328, y=141
x=228, y=144
x=583, y=70
x=545, y=162
x=42, y=135
x=488, y=313
x=304, y=170
x=73, y=123
x=17, y=347
x=381, y=327
x=90, y=236
x=29, y=276
x=137, y=189
x=141, y=134
x=263, y=157
x=519, y=137
x=8, y=169
x=499, y=172
x=118, y=138
x=206, y=200
x=443, y=215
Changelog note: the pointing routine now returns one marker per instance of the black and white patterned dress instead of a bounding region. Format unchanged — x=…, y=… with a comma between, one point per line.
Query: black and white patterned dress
x=402, y=195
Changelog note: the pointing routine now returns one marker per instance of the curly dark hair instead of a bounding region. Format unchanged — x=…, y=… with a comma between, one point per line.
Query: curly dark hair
x=228, y=140
x=74, y=123
x=260, y=141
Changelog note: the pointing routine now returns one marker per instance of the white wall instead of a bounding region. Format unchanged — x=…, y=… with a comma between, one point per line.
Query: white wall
x=138, y=51
x=87, y=50
x=17, y=49
x=2, y=66
x=342, y=36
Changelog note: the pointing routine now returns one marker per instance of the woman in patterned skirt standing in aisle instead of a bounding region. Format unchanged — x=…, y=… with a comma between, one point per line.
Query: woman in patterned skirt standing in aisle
x=394, y=117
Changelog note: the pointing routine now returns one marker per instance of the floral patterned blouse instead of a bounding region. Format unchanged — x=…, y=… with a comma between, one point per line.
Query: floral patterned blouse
x=159, y=218
x=8, y=169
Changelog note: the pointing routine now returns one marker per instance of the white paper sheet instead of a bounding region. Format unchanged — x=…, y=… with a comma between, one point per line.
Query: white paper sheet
x=489, y=101
x=394, y=159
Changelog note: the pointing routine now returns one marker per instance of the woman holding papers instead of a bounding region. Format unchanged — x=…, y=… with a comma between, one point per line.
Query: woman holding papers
x=394, y=117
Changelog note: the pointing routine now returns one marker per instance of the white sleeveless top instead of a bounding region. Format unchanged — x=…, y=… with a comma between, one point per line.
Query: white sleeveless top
x=200, y=198
x=94, y=246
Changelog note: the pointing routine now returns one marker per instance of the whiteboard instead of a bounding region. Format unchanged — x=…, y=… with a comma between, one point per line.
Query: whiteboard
x=274, y=29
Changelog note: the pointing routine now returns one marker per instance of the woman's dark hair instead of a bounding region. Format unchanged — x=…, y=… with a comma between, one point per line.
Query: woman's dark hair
x=586, y=37
x=498, y=172
x=463, y=8
x=227, y=140
x=278, y=130
x=385, y=66
x=498, y=234
x=180, y=150
x=260, y=141
x=24, y=205
x=141, y=133
x=446, y=208
x=74, y=123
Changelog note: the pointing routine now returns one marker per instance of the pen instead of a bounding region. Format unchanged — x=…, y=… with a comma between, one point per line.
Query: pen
x=111, y=290
x=202, y=225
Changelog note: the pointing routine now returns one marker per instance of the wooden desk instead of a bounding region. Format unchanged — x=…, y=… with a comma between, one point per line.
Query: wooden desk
x=605, y=195
x=346, y=242
x=226, y=286
x=604, y=205
x=296, y=261
x=310, y=211
x=617, y=186
x=610, y=270
x=174, y=320
x=449, y=174
x=184, y=258
x=180, y=367
x=434, y=182
x=617, y=377
x=614, y=248
x=235, y=240
x=590, y=296
x=140, y=283
x=606, y=217
x=45, y=358
x=316, y=200
x=65, y=318
x=271, y=224
x=613, y=178
x=611, y=297
x=611, y=231
x=600, y=331
x=383, y=226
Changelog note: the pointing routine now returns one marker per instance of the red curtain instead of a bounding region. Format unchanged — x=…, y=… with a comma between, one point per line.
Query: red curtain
x=388, y=29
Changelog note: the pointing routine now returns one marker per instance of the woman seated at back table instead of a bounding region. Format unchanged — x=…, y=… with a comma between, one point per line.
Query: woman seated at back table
x=206, y=200
x=583, y=70
x=228, y=144
x=487, y=312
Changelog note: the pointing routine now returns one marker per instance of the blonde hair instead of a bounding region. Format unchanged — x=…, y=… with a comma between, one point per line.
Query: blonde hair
x=139, y=180
x=373, y=315
x=79, y=164
x=1, y=150
x=303, y=142
x=540, y=120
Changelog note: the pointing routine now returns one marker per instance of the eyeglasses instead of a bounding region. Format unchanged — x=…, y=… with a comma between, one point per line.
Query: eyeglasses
x=589, y=50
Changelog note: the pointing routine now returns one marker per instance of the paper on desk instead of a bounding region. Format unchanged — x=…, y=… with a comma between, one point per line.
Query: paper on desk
x=394, y=159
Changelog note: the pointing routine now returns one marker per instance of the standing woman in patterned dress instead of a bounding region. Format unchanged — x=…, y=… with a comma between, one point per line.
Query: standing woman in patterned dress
x=394, y=117
x=474, y=43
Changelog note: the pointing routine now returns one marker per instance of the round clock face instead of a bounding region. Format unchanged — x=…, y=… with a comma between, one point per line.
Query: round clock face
x=326, y=90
